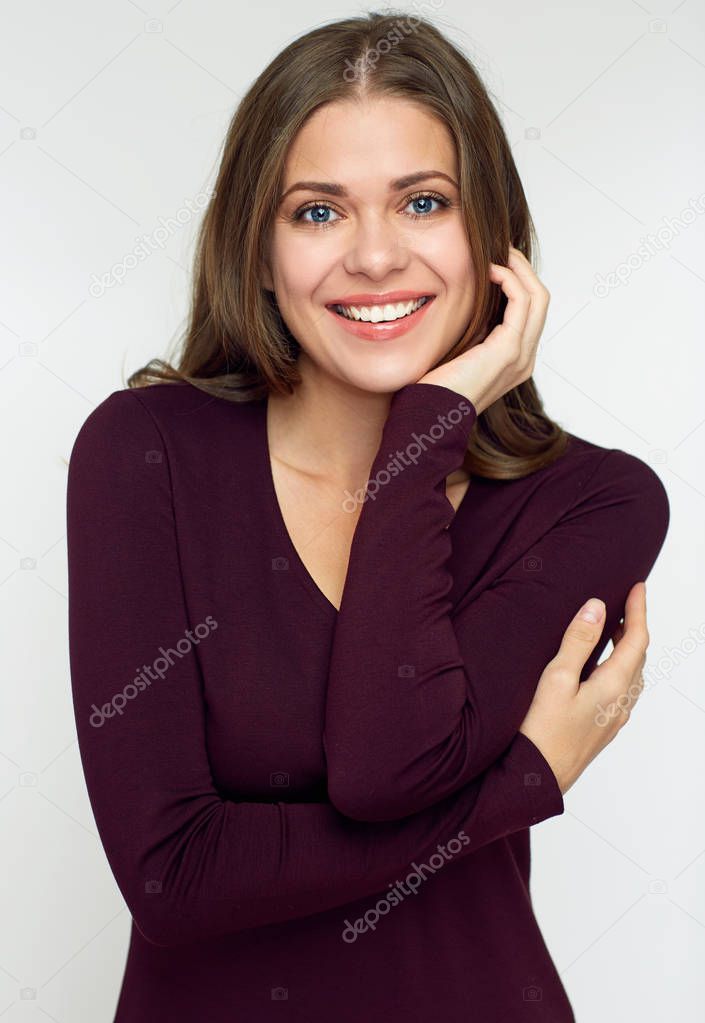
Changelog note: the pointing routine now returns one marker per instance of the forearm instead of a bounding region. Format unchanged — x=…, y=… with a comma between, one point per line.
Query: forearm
x=426, y=692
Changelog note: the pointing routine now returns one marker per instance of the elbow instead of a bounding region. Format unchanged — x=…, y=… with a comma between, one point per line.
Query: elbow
x=166, y=925
x=176, y=922
x=154, y=935
x=157, y=925
x=176, y=929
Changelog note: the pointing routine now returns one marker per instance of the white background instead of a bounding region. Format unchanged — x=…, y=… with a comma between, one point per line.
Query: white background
x=111, y=120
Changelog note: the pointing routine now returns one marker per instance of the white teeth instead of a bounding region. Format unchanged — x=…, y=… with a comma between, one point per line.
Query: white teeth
x=379, y=313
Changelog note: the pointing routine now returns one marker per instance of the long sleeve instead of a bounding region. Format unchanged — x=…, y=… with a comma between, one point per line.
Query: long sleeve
x=190, y=864
x=424, y=696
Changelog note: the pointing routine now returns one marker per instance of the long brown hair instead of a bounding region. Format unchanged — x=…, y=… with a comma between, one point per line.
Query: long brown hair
x=236, y=345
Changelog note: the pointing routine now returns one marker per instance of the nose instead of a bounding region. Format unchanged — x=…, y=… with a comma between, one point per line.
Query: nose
x=376, y=246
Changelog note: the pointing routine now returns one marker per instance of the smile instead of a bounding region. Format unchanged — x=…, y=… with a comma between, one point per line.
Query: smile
x=384, y=321
x=381, y=313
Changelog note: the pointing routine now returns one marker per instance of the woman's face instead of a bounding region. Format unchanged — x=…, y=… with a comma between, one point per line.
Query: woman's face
x=366, y=235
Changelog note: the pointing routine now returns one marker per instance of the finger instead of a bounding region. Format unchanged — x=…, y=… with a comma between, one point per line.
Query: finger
x=518, y=302
x=630, y=651
x=538, y=300
x=627, y=700
x=525, y=271
x=580, y=637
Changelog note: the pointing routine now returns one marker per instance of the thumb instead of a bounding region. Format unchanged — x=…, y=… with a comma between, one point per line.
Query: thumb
x=582, y=634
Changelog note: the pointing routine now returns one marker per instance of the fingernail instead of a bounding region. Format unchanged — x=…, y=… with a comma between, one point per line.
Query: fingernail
x=593, y=610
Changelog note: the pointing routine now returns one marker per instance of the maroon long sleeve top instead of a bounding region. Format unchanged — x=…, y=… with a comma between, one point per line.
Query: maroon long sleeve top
x=322, y=815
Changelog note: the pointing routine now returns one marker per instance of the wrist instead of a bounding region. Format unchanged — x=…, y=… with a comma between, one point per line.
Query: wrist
x=441, y=379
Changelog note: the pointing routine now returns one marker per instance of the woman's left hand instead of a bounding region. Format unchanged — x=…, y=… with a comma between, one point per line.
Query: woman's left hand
x=507, y=355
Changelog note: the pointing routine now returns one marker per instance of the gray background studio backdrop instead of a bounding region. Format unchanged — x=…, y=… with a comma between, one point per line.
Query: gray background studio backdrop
x=112, y=114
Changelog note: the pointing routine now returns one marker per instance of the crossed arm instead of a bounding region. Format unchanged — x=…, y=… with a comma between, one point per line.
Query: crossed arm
x=423, y=696
x=192, y=865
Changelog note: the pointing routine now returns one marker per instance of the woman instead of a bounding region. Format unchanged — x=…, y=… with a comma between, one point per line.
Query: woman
x=325, y=574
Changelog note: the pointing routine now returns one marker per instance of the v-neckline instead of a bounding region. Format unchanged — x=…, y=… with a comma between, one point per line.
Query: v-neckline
x=283, y=534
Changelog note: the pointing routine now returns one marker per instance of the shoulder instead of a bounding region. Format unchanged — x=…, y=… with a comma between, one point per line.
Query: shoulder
x=589, y=492
x=610, y=477
x=614, y=469
x=114, y=444
x=167, y=413
x=164, y=445
x=156, y=402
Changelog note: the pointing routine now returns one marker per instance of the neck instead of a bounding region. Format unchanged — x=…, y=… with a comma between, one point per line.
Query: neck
x=326, y=428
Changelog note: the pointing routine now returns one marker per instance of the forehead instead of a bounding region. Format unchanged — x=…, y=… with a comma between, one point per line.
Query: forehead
x=365, y=145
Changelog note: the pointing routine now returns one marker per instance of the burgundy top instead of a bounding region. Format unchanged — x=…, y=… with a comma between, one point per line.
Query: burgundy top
x=329, y=809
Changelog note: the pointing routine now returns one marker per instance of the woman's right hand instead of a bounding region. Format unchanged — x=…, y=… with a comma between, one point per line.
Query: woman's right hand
x=572, y=721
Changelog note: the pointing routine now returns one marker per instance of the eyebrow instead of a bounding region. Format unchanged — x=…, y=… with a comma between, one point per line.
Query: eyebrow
x=330, y=188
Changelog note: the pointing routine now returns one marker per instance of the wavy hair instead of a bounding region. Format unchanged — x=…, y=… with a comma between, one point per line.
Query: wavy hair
x=236, y=345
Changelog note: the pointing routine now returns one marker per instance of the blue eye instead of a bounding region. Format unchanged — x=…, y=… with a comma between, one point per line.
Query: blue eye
x=319, y=210
x=427, y=199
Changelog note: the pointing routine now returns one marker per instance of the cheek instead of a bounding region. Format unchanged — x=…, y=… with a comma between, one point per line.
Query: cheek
x=460, y=276
x=299, y=268
x=464, y=287
x=447, y=253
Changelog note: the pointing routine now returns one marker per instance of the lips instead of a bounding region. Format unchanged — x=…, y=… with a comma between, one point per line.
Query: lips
x=411, y=306
x=382, y=330
x=386, y=298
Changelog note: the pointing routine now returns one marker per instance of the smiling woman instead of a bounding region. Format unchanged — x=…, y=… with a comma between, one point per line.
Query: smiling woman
x=384, y=185
x=350, y=472
x=374, y=231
